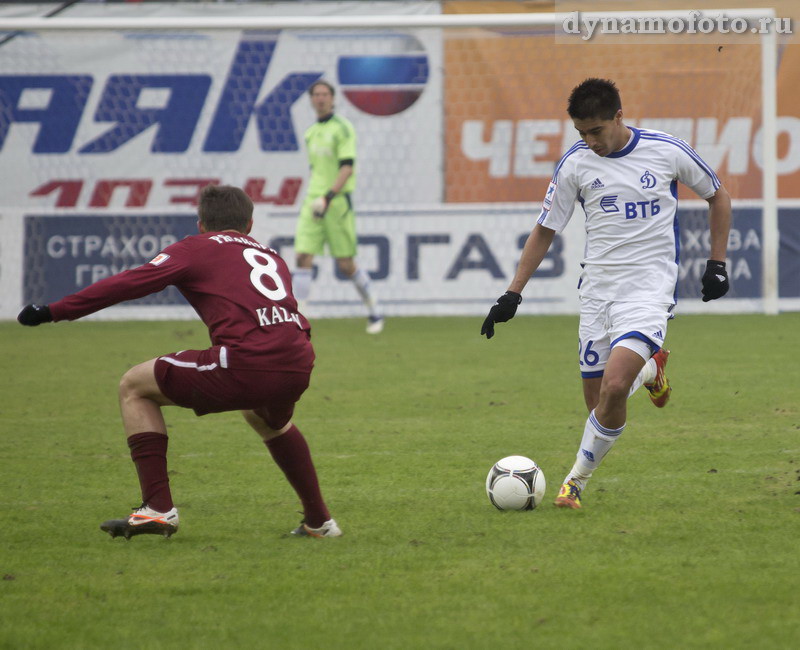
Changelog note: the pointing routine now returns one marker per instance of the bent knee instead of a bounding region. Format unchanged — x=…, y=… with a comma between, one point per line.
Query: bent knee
x=264, y=427
x=127, y=385
x=346, y=266
x=304, y=260
x=139, y=381
x=614, y=390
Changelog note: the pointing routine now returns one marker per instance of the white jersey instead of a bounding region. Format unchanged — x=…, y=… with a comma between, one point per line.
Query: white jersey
x=630, y=199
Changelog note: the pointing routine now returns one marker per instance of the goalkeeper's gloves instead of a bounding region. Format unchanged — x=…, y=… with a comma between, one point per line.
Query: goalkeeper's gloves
x=503, y=310
x=715, y=280
x=32, y=315
x=319, y=206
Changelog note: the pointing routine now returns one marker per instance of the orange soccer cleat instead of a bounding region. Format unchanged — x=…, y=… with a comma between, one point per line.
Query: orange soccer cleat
x=569, y=496
x=660, y=389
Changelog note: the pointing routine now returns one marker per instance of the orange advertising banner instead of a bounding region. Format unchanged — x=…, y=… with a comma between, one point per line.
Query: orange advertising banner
x=506, y=93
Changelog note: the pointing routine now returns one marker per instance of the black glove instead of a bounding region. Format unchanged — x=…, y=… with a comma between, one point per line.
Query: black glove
x=34, y=315
x=715, y=280
x=320, y=205
x=503, y=310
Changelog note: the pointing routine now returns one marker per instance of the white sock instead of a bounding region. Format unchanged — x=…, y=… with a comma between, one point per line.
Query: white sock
x=595, y=444
x=301, y=284
x=362, y=283
x=646, y=376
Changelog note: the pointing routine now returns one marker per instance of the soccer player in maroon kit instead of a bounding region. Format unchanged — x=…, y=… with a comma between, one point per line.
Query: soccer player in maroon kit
x=259, y=363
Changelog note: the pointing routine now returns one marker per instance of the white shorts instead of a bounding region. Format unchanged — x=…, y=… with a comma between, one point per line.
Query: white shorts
x=604, y=323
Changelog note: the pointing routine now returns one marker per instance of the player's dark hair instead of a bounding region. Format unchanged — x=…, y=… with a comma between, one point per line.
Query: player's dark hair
x=596, y=99
x=224, y=207
x=322, y=82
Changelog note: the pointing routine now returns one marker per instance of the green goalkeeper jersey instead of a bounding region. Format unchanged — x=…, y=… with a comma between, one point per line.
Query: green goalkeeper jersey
x=329, y=141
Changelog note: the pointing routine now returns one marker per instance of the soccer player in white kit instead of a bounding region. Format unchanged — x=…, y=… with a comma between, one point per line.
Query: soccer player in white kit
x=626, y=181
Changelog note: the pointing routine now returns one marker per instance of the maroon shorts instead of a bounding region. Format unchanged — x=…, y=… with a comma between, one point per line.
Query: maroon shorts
x=197, y=379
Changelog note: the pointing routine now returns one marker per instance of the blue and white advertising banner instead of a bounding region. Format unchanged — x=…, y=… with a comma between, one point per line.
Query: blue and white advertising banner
x=64, y=254
x=433, y=260
x=140, y=120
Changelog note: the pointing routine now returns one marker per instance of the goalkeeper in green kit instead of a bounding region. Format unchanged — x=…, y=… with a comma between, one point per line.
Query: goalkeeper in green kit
x=327, y=214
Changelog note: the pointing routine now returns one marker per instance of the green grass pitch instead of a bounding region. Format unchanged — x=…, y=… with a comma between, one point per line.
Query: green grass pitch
x=688, y=537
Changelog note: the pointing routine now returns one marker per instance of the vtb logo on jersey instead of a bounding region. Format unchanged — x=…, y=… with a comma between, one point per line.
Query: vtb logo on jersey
x=648, y=181
x=609, y=203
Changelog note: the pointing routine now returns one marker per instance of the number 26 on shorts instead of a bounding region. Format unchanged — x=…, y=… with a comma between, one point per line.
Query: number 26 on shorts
x=587, y=357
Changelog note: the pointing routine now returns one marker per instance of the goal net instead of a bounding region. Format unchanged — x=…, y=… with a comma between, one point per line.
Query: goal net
x=111, y=122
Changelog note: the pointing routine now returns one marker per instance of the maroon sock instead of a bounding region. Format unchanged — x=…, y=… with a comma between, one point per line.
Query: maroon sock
x=149, y=453
x=290, y=451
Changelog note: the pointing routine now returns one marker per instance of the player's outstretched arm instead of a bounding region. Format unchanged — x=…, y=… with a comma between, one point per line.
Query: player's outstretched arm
x=715, y=279
x=505, y=308
x=32, y=315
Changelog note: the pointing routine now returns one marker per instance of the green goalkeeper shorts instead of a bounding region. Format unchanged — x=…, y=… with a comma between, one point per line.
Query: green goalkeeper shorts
x=337, y=228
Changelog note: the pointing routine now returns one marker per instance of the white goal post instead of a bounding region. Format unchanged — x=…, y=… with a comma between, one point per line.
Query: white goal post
x=769, y=300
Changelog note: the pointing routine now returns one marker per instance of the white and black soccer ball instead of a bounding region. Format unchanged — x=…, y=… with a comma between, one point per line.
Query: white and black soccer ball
x=515, y=483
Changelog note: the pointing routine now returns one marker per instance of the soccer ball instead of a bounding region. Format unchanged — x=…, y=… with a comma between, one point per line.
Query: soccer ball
x=515, y=483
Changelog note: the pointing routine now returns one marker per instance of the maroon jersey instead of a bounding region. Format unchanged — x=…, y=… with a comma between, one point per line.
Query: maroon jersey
x=241, y=289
